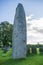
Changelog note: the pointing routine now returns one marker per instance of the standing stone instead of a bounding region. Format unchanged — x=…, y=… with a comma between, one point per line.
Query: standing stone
x=19, y=33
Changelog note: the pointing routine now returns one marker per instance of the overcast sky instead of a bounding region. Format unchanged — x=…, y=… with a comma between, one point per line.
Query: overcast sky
x=34, y=17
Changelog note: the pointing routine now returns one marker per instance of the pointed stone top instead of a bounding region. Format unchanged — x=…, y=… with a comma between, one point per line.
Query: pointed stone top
x=20, y=5
x=20, y=10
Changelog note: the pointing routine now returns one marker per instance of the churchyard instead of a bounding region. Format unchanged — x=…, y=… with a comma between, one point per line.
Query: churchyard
x=20, y=53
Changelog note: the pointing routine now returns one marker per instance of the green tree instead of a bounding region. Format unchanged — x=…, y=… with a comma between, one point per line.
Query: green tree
x=6, y=33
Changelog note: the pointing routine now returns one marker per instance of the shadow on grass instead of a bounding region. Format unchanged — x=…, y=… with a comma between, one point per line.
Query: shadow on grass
x=13, y=62
x=31, y=55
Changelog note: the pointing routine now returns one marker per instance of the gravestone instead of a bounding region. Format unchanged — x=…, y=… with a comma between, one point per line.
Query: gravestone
x=28, y=50
x=19, y=33
x=41, y=50
x=34, y=51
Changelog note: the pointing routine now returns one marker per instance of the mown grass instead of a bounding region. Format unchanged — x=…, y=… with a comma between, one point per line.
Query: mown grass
x=33, y=59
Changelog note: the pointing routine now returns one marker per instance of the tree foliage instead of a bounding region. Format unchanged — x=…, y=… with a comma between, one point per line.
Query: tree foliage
x=6, y=33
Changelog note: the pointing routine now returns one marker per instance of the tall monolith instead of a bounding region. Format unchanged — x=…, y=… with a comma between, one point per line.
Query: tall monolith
x=19, y=33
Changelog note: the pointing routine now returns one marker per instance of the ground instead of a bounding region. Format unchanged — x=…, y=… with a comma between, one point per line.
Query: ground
x=33, y=59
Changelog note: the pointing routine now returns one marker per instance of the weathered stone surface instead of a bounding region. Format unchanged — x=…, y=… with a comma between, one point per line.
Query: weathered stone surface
x=19, y=33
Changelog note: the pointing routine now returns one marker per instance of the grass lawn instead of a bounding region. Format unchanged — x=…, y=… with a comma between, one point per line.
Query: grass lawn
x=6, y=59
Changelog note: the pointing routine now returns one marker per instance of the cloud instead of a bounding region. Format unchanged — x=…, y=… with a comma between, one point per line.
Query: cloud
x=29, y=17
x=34, y=29
x=38, y=30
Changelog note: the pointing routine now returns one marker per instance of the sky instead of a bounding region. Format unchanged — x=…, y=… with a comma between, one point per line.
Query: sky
x=34, y=17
